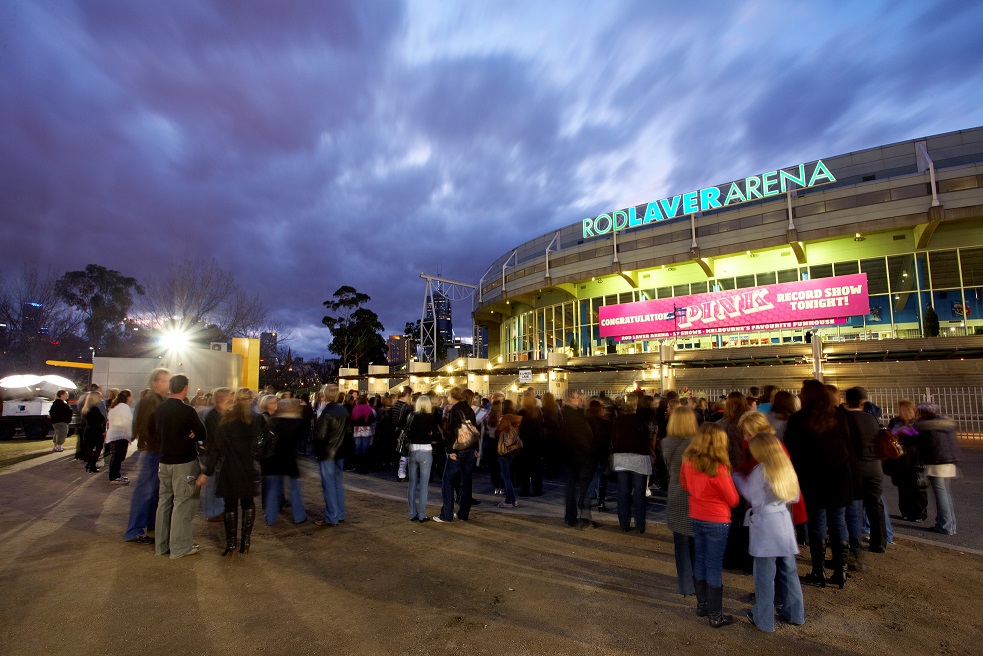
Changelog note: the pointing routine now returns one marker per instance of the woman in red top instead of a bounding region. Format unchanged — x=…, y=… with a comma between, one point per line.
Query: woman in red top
x=706, y=476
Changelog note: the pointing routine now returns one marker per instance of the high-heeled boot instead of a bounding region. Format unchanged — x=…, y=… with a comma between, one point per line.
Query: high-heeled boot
x=715, y=606
x=701, y=597
x=817, y=549
x=840, y=550
x=248, y=519
x=231, y=526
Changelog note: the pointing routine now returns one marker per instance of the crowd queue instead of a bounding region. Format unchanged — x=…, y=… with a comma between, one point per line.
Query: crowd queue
x=748, y=480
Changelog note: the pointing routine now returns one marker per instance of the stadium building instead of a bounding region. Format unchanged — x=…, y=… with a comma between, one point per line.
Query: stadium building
x=831, y=267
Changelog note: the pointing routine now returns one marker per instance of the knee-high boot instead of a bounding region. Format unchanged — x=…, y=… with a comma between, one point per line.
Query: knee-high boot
x=840, y=550
x=248, y=519
x=701, y=597
x=715, y=606
x=817, y=549
x=231, y=525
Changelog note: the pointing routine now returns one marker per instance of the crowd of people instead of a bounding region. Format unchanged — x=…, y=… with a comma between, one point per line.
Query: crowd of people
x=749, y=479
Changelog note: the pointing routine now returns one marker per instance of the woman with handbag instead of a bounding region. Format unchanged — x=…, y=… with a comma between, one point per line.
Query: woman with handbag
x=238, y=433
x=508, y=447
x=461, y=444
x=422, y=436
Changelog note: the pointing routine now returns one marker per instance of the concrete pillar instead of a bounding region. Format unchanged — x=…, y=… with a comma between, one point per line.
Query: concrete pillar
x=349, y=373
x=667, y=375
x=556, y=363
x=420, y=379
x=378, y=379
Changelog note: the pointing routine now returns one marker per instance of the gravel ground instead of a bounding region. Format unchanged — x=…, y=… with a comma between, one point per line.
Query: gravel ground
x=505, y=582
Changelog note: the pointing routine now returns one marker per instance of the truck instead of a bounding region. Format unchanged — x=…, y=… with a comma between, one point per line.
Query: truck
x=28, y=415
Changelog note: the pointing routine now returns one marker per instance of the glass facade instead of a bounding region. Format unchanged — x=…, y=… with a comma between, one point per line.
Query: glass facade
x=902, y=288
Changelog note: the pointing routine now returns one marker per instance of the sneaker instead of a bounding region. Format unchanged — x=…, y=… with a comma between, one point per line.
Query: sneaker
x=194, y=551
x=119, y=481
x=648, y=492
x=124, y=478
x=437, y=519
x=142, y=539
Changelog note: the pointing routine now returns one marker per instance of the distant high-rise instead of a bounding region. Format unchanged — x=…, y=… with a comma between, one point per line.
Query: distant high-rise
x=442, y=311
x=399, y=347
x=30, y=314
x=267, y=348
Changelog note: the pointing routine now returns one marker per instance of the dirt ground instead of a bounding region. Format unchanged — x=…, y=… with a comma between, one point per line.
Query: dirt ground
x=505, y=582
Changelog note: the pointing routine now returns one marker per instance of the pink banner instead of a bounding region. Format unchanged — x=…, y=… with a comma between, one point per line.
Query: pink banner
x=786, y=305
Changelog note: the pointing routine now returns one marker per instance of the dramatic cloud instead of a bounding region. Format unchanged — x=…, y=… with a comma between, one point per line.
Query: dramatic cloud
x=309, y=145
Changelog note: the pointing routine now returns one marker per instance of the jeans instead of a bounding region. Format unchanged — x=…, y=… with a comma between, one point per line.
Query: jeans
x=710, y=540
x=838, y=532
x=462, y=464
x=577, y=483
x=362, y=445
x=418, y=472
x=631, y=499
x=776, y=581
x=273, y=499
x=872, y=503
x=61, y=433
x=505, y=467
x=945, y=519
x=177, y=507
x=143, y=503
x=887, y=523
x=211, y=505
x=118, y=449
x=685, y=548
x=333, y=489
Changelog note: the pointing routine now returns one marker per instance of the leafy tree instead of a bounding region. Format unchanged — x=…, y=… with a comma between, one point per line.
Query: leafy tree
x=930, y=325
x=104, y=298
x=354, y=329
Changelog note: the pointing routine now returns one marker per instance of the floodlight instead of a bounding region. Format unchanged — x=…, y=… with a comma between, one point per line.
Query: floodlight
x=174, y=340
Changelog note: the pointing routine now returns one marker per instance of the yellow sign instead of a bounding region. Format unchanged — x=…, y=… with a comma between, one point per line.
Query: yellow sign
x=248, y=348
x=65, y=363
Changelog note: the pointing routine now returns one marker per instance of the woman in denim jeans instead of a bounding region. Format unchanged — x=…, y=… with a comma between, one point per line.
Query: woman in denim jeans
x=422, y=438
x=706, y=476
x=939, y=452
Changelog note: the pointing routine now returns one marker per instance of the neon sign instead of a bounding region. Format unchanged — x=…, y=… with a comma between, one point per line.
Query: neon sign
x=756, y=187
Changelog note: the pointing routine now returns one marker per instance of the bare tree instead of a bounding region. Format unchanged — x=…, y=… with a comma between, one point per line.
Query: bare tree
x=199, y=295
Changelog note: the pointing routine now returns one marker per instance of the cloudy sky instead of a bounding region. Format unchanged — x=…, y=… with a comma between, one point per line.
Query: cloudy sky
x=310, y=144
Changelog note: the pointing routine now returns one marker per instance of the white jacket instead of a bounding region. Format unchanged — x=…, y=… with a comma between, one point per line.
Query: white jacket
x=120, y=423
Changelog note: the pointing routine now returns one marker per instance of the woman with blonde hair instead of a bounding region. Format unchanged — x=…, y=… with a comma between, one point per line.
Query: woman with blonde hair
x=680, y=431
x=769, y=488
x=237, y=434
x=705, y=474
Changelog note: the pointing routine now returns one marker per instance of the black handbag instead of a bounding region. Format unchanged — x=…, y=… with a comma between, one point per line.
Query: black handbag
x=403, y=441
x=265, y=445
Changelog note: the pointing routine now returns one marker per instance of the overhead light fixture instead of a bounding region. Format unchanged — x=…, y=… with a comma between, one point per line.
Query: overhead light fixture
x=859, y=237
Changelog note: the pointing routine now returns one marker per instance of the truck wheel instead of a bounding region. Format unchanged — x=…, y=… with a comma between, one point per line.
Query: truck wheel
x=6, y=430
x=36, y=430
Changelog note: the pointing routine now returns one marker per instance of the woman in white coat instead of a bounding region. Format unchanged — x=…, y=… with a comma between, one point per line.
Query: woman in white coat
x=769, y=488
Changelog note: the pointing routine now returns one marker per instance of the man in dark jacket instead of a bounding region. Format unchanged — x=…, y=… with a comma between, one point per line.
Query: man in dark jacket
x=334, y=425
x=867, y=474
x=143, y=503
x=178, y=429
x=579, y=458
x=459, y=461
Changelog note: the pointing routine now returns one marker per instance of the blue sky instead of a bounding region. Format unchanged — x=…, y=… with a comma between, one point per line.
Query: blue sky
x=307, y=145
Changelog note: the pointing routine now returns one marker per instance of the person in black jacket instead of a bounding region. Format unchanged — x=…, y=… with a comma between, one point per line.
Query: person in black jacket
x=332, y=430
x=61, y=416
x=631, y=457
x=939, y=452
x=528, y=466
x=233, y=444
x=423, y=438
x=818, y=445
x=178, y=428
x=290, y=428
x=94, y=433
x=867, y=476
x=459, y=461
x=578, y=452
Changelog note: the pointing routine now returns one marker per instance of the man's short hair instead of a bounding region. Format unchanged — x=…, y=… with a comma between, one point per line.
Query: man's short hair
x=94, y=387
x=406, y=391
x=177, y=383
x=855, y=397
x=155, y=374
